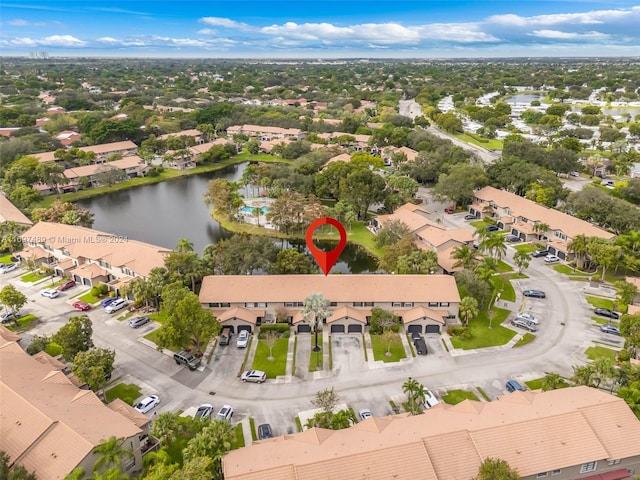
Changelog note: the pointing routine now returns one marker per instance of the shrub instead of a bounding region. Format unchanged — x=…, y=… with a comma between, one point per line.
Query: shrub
x=282, y=328
x=489, y=220
x=623, y=356
x=458, y=332
x=99, y=290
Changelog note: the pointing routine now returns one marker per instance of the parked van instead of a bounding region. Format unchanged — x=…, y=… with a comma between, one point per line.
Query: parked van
x=225, y=336
x=186, y=358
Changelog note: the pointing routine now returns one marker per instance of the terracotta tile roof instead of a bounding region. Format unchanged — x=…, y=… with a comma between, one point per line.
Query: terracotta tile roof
x=8, y=337
x=351, y=313
x=89, y=270
x=205, y=147
x=46, y=423
x=633, y=281
x=410, y=153
x=418, y=313
x=522, y=207
x=633, y=309
x=241, y=313
x=335, y=288
x=101, y=149
x=446, y=261
x=10, y=213
x=438, y=235
x=46, y=359
x=343, y=157
x=88, y=170
x=413, y=216
x=127, y=411
x=184, y=133
x=92, y=244
x=35, y=253
x=533, y=431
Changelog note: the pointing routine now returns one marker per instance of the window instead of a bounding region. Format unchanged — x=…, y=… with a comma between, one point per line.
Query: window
x=300, y=304
x=368, y=304
x=542, y=475
x=588, y=467
x=433, y=304
x=614, y=462
x=333, y=304
x=225, y=305
x=444, y=304
x=262, y=304
x=357, y=304
x=407, y=304
x=214, y=305
x=250, y=305
x=560, y=235
x=289, y=304
x=556, y=472
x=396, y=304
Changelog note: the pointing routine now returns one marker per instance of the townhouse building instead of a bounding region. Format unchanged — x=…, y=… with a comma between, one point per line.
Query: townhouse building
x=523, y=218
x=424, y=303
x=89, y=256
x=51, y=426
x=571, y=433
x=265, y=133
x=10, y=213
x=102, y=151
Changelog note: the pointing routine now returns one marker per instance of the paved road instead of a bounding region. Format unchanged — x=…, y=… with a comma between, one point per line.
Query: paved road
x=410, y=108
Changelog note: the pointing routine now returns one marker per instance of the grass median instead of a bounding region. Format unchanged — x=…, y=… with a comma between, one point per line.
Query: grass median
x=380, y=349
x=278, y=365
x=482, y=336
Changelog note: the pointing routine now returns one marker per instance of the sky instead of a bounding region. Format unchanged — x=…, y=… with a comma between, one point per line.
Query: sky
x=321, y=29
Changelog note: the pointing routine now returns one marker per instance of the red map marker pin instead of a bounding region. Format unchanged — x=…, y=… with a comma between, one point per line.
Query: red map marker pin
x=326, y=260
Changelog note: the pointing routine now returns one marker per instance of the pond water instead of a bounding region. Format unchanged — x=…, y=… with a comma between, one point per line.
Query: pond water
x=163, y=213
x=524, y=98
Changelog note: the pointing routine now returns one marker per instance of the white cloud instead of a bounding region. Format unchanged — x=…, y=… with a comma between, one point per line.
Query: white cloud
x=226, y=23
x=207, y=31
x=108, y=40
x=50, y=41
x=583, y=18
x=556, y=34
x=19, y=22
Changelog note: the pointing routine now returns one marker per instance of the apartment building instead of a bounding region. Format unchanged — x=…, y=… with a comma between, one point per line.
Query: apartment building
x=102, y=151
x=266, y=134
x=520, y=216
x=570, y=433
x=242, y=302
x=10, y=213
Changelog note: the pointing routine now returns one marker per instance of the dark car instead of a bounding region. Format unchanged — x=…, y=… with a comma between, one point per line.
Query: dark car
x=470, y=217
x=448, y=210
x=512, y=386
x=415, y=336
x=608, y=328
x=513, y=239
x=105, y=302
x=7, y=317
x=264, y=431
x=492, y=228
x=605, y=312
x=139, y=321
x=421, y=346
x=534, y=293
x=540, y=253
x=66, y=285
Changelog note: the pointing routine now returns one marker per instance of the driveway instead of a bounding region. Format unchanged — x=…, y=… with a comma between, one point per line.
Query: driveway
x=348, y=354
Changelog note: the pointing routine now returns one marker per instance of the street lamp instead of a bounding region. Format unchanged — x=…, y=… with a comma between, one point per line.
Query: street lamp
x=491, y=310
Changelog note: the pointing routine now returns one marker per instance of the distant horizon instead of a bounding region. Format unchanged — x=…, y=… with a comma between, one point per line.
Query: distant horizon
x=404, y=29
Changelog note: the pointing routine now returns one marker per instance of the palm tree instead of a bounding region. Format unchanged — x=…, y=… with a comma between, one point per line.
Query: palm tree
x=184, y=246
x=604, y=369
x=256, y=212
x=579, y=246
x=583, y=375
x=540, y=229
x=409, y=388
x=495, y=244
x=419, y=397
x=110, y=454
x=315, y=310
x=464, y=255
x=468, y=309
x=552, y=381
x=485, y=269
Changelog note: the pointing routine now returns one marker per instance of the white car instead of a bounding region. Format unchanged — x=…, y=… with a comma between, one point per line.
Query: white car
x=243, y=339
x=365, y=413
x=225, y=413
x=430, y=400
x=147, y=403
x=527, y=317
x=8, y=267
x=204, y=412
x=551, y=258
x=50, y=293
x=116, y=305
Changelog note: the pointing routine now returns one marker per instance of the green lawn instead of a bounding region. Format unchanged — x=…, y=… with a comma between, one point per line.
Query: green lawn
x=252, y=425
x=598, y=302
x=567, y=270
x=159, y=317
x=33, y=277
x=380, y=349
x=238, y=441
x=488, y=143
x=24, y=323
x=315, y=358
x=127, y=392
x=599, y=352
x=603, y=321
x=358, y=233
x=453, y=397
x=502, y=284
x=87, y=297
x=504, y=267
x=6, y=258
x=535, y=384
x=478, y=224
x=526, y=338
x=275, y=367
x=153, y=337
x=53, y=349
x=482, y=336
x=525, y=247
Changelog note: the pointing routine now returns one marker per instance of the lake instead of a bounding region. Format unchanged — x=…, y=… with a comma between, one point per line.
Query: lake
x=163, y=213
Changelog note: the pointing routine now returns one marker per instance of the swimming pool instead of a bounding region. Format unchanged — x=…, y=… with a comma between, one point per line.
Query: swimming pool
x=249, y=210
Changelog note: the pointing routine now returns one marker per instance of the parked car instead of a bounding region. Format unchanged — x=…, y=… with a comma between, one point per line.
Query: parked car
x=574, y=174
x=105, y=302
x=492, y=228
x=186, y=358
x=513, y=239
x=470, y=217
x=517, y=322
x=527, y=317
x=8, y=267
x=139, y=321
x=551, y=258
x=365, y=413
x=449, y=210
x=512, y=386
x=421, y=346
x=82, y=306
x=116, y=305
x=225, y=336
x=540, y=253
x=534, y=293
x=416, y=336
x=50, y=293
x=264, y=431
x=6, y=317
x=256, y=376
x=66, y=285
x=430, y=400
x=204, y=412
x=608, y=328
x=147, y=403
x=605, y=312
x=225, y=413
x=243, y=339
